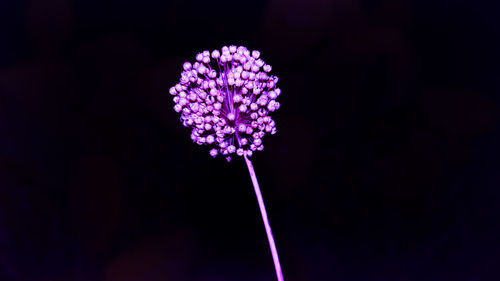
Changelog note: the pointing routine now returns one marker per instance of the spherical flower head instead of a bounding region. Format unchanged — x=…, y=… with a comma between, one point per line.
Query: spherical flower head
x=226, y=97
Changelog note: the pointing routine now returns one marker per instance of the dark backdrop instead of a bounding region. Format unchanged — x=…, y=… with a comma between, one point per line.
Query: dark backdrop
x=385, y=165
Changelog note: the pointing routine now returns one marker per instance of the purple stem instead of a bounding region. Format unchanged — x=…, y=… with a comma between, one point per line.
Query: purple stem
x=263, y=212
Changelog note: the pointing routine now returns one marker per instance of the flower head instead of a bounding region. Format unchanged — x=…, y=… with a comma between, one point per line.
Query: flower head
x=226, y=97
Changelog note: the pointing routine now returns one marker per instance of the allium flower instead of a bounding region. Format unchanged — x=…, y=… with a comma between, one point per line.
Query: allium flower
x=226, y=97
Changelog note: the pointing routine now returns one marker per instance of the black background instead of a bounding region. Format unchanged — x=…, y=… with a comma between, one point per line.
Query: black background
x=385, y=165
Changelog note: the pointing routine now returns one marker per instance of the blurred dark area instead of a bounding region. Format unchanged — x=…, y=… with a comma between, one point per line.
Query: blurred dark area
x=386, y=164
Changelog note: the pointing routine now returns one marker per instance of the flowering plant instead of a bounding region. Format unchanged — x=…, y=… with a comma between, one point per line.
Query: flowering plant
x=226, y=97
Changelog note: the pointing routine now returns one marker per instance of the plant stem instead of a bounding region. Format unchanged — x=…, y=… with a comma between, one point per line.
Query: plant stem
x=263, y=212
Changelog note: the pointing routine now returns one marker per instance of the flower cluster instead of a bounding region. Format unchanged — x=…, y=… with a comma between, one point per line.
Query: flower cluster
x=226, y=97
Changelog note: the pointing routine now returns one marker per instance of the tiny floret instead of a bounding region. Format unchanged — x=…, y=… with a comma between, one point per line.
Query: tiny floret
x=187, y=66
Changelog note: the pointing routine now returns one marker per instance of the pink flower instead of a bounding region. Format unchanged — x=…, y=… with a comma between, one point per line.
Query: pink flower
x=226, y=97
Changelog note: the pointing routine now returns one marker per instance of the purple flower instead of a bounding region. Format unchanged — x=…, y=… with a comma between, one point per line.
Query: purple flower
x=226, y=97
